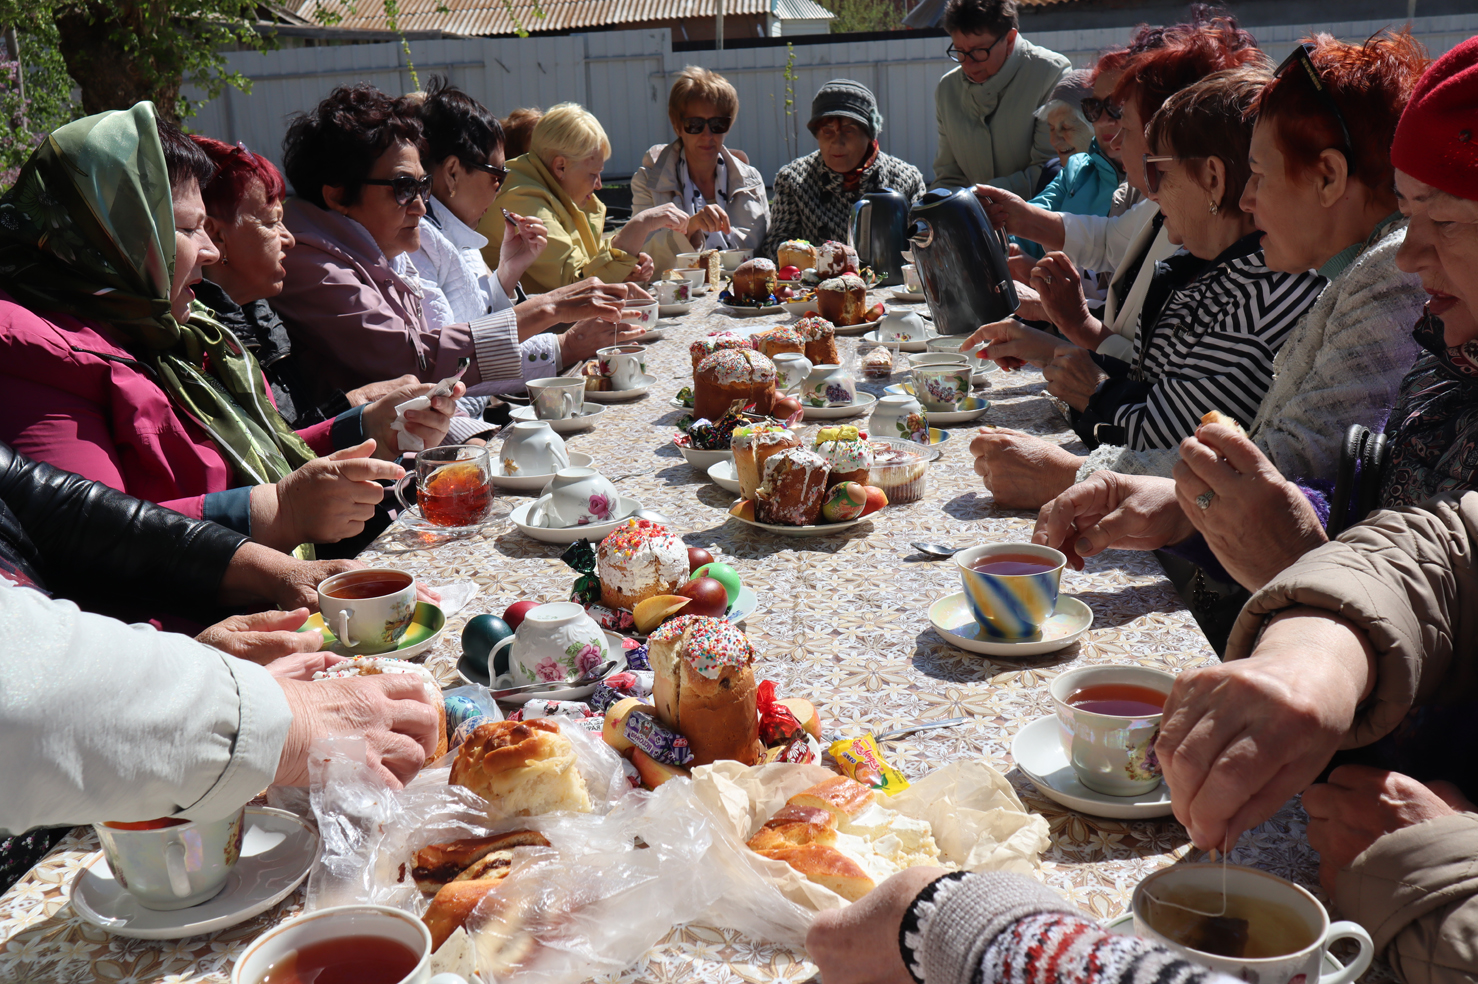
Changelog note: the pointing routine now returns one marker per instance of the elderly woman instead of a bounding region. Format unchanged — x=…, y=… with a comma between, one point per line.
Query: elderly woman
x=724, y=198
x=556, y=182
x=814, y=195
x=1089, y=176
x=108, y=371
x=353, y=299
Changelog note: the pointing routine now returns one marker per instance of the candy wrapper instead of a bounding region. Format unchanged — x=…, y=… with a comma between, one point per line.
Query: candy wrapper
x=713, y=435
x=552, y=708
x=862, y=759
x=580, y=555
x=610, y=619
x=800, y=750
x=667, y=747
x=631, y=683
x=636, y=657
x=778, y=726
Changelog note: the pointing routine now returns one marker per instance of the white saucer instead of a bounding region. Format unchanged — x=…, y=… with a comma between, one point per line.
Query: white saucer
x=723, y=475
x=701, y=460
x=819, y=529
x=862, y=404
x=1038, y=752
x=953, y=620
x=568, y=425
x=412, y=520
x=614, y=642
x=277, y=849
x=908, y=296
x=969, y=408
x=673, y=310
x=799, y=308
x=913, y=346
x=859, y=329
x=652, y=335
x=750, y=312
x=625, y=507
x=533, y=483
x=621, y=396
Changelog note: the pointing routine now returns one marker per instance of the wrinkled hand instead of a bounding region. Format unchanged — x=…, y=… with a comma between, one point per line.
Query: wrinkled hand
x=1011, y=344
x=585, y=338
x=1019, y=263
x=1022, y=471
x=303, y=665
x=710, y=218
x=1005, y=209
x=588, y=298
x=389, y=711
x=524, y=238
x=1241, y=737
x=1029, y=304
x=373, y=391
x=665, y=216
x=1360, y=804
x=430, y=424
x=1258, y=522
x=1112, y=511
x=262, y=636
x=297, y=585
x=858, y=944
x=1059, y=286
x=324, y=501
x=644, y=270
x=1072, y=375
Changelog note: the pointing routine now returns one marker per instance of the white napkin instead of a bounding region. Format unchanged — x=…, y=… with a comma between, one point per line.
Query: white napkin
x=455, y=595
x=407, y=440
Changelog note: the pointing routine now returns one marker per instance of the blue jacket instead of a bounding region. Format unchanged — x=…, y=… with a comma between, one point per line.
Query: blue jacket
x=1085, y=187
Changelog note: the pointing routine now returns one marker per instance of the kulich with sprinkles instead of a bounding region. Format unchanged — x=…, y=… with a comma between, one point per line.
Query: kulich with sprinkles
x=729, y=375
x=637, y=561
x=704, y=347
x=752, y=444
x=778, y=341
x=704, y=687
x=797, y=253
x=819, y=336
x=849, y=456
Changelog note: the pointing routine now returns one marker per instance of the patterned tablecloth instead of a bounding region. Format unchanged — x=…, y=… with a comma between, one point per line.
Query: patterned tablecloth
x=841, y=620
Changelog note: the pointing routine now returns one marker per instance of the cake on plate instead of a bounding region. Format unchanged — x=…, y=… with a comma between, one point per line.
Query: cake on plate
x=703, y=687
x=729, y=375
x=793, y=488
x=843, y=300
x=797, y=253
x=834, y=259
x=752, y=444
x=819, y=336
x=638, y=561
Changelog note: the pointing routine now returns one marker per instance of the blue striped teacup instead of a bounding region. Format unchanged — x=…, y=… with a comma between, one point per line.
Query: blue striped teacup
x=1011, y=606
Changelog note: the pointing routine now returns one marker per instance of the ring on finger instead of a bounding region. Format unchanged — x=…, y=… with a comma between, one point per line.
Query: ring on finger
x=1204, y=499
x=1047, y=278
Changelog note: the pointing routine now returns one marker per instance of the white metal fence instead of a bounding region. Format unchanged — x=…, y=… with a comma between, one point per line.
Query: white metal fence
x=623, y=76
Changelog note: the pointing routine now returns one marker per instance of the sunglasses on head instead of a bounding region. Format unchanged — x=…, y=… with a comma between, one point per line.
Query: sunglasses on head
x=1302, y=55
x=694, y=125
x=1093, y=108
x=404, y=187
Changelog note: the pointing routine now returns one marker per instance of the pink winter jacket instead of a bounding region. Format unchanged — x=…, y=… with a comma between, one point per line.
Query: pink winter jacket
x=72, y=395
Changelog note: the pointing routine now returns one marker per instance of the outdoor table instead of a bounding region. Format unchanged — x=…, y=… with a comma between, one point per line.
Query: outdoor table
x=842, y=620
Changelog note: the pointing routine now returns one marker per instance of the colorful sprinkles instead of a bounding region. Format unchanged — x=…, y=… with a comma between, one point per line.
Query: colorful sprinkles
x=713, y=645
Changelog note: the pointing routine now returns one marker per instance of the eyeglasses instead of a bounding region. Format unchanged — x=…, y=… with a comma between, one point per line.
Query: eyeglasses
x=694, y=125
x=974, y=54
x=1152, y=174
x=499, y=173
x=839, y=128
x=405, y=187
x=1302, y=54
x=1093, y=108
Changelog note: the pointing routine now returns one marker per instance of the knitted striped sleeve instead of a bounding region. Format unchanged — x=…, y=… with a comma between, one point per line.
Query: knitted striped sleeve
x=1053, y=947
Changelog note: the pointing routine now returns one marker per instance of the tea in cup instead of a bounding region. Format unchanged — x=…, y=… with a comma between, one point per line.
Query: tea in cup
x=1247, y=923
x=1108, y=718
x=172, y=863
x=829, y=386
x=579, y=497
x=911, y=278
x=368, y=609
x=674, y=291
x=557, y=397
x=790, y=369
x=531, y=447
x=639, y=313
x=1011, y=587
x=365, y=944
x=556, y=641
x=624, y=365
x=454, y=485
x=941, y=387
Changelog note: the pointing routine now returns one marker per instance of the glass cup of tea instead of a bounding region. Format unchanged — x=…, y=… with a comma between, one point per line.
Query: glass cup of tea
x=172, y=863
x=1247, y=923
x=368, y=610
x=454, y=486
x=1011, y=587
x=367, y=944
x=1108, y=718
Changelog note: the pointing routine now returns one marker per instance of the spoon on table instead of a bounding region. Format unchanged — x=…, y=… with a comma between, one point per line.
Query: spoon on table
x=593, y=676
x=935, y=549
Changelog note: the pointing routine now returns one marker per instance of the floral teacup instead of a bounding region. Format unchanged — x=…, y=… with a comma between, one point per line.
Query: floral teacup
x=829, y=386
x=531, y=447
x=899, y=417
x=579, y=497
x=556, y=641
x=941, y=387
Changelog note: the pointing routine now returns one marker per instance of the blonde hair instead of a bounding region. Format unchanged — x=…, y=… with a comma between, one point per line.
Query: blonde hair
x=699, y=83
x=571, y=131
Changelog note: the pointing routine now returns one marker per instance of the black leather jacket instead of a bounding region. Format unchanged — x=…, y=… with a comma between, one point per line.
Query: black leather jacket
x=107, y=551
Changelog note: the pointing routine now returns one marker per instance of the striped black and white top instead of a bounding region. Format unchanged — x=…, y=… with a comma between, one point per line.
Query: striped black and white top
x=1211, y=347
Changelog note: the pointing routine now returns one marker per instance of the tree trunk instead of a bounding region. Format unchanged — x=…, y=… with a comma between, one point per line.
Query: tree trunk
x=108, y=73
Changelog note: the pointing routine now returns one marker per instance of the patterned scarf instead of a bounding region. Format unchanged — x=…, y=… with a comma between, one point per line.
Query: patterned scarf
x=1433, y=432
x=852, y=179
x=88, y=230
x=694, y=202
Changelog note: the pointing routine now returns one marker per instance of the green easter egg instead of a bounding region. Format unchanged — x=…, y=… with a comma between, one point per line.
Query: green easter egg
x=480, y=635
x=723, y=574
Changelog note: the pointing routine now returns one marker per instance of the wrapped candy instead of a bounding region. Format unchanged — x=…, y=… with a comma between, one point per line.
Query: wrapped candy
x=861, y=759
x=636, y=658
x=618, y=686
x=778, y=726
x=713, y=435
x=667, y=747
x=552, y=708
x=580, y=555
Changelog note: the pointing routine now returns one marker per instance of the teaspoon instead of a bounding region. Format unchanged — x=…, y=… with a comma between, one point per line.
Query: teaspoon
x=936, y=549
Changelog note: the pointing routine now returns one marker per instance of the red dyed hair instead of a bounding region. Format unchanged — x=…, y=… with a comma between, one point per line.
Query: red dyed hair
x=1189, y=52
x=1146, y=38
x=236, y=169
x=1371, y=84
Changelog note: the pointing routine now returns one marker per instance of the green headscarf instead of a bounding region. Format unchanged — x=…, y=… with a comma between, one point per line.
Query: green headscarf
x=88, y=230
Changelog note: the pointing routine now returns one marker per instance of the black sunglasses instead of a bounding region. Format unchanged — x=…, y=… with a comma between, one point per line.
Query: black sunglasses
x=405, y=187
x=499, y=173
x=1302, y=55
x=974, y=54
x=694, y=125
x=1093, y=108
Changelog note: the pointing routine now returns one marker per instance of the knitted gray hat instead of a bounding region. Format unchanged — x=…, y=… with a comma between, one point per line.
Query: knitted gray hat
x=853, y=100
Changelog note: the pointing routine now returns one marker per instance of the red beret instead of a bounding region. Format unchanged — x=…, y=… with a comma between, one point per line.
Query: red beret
x=1437, y=138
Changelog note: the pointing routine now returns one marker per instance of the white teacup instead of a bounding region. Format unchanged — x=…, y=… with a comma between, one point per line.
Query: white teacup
x=557, y=397
x=901, y=417
x=674, y=291
x=556, y=641
x=1110, y=753
x=941, y=387
x=531, y=447
x=790, y=369
x=696, y=278
x=1280, y=916
x=368, y=609
x=690, y=261
x=733, y=257
x=624, y=365
x=829, y=386
x=902, y=326
x=392, y=927
x=934, y=357
x=175, y=866
x=911, y=278
x=579, y=497
x=639, y=313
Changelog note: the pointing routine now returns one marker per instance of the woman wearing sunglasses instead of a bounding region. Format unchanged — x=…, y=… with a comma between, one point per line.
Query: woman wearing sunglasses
x=723, y=196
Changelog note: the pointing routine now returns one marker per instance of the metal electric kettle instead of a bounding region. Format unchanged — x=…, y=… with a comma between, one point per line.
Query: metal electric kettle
x=878, y=231
x=961, y=261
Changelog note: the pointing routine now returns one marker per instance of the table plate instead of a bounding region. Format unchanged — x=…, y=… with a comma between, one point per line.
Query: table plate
x=723, y=475
x=652, y=335
x=952, y=619
x=586, y=418
x=428, y=624
x=913, y=346
x=615, y=642
x=673, y=310
x=750, y=312
x=908, y=296
x=799, y=308
x=277, y=849
x=621, y=396
x=863, y=404
x=819, y=529
x=701, y=460
x=625, y=507
x=858, y=329
x=533, y=483
x=970, y=407
x=1038, y=753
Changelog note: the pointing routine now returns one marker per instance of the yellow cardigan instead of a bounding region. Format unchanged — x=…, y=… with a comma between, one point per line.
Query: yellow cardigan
x=576, y=249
